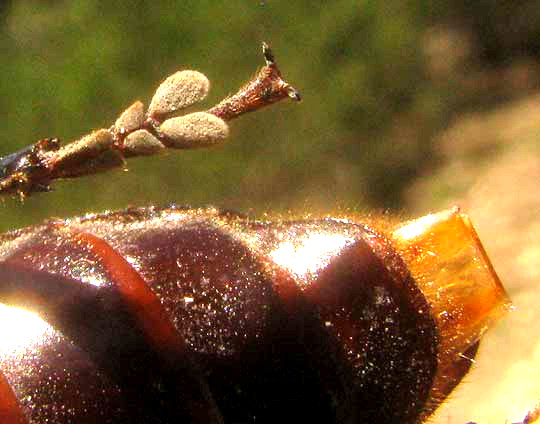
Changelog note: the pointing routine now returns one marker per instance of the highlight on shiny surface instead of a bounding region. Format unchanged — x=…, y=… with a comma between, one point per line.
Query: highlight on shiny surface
x=21, y=330
x=309, y=254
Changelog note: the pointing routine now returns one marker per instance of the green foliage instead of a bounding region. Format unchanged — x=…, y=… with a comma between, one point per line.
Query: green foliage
x=361, y=134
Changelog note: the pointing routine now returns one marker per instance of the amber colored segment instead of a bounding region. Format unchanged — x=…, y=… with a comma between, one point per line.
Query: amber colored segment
x=448, y=262
x=451, y=268
x=10, y=410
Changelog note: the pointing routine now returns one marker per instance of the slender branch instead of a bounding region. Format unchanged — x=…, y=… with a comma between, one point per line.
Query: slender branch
x=266, y=88
x=140, y=133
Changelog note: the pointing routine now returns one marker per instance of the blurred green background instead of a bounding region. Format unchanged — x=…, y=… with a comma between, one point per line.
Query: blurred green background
x=377, y=78
x=409, y=106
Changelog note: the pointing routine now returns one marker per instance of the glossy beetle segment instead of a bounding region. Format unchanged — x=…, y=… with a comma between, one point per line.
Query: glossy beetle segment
x=364, y=295
x=392, y=348
x=56, y=381
x=202, y=316
x=104, y=314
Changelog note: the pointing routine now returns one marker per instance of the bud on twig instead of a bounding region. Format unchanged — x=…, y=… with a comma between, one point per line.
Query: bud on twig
x=178, y=91
x=194, y=130
x=141, y=143
x=131, y=119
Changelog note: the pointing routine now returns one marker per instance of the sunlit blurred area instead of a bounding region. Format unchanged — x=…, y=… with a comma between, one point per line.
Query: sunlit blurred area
x=409, y=107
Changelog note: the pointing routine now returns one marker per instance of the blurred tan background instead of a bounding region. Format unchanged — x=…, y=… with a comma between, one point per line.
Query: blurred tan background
x=409, y=107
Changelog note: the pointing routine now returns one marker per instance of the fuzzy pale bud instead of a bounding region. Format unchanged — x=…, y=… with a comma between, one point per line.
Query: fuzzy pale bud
x=178, y=91
x=141, y=142
x=131, y=119
x=196, y=129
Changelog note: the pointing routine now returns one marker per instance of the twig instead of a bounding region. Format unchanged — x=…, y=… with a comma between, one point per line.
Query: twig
x=139, y=133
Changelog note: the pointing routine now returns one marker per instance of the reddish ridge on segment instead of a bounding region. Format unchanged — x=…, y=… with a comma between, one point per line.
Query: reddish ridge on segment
x=10, y=409
x=140, y=299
